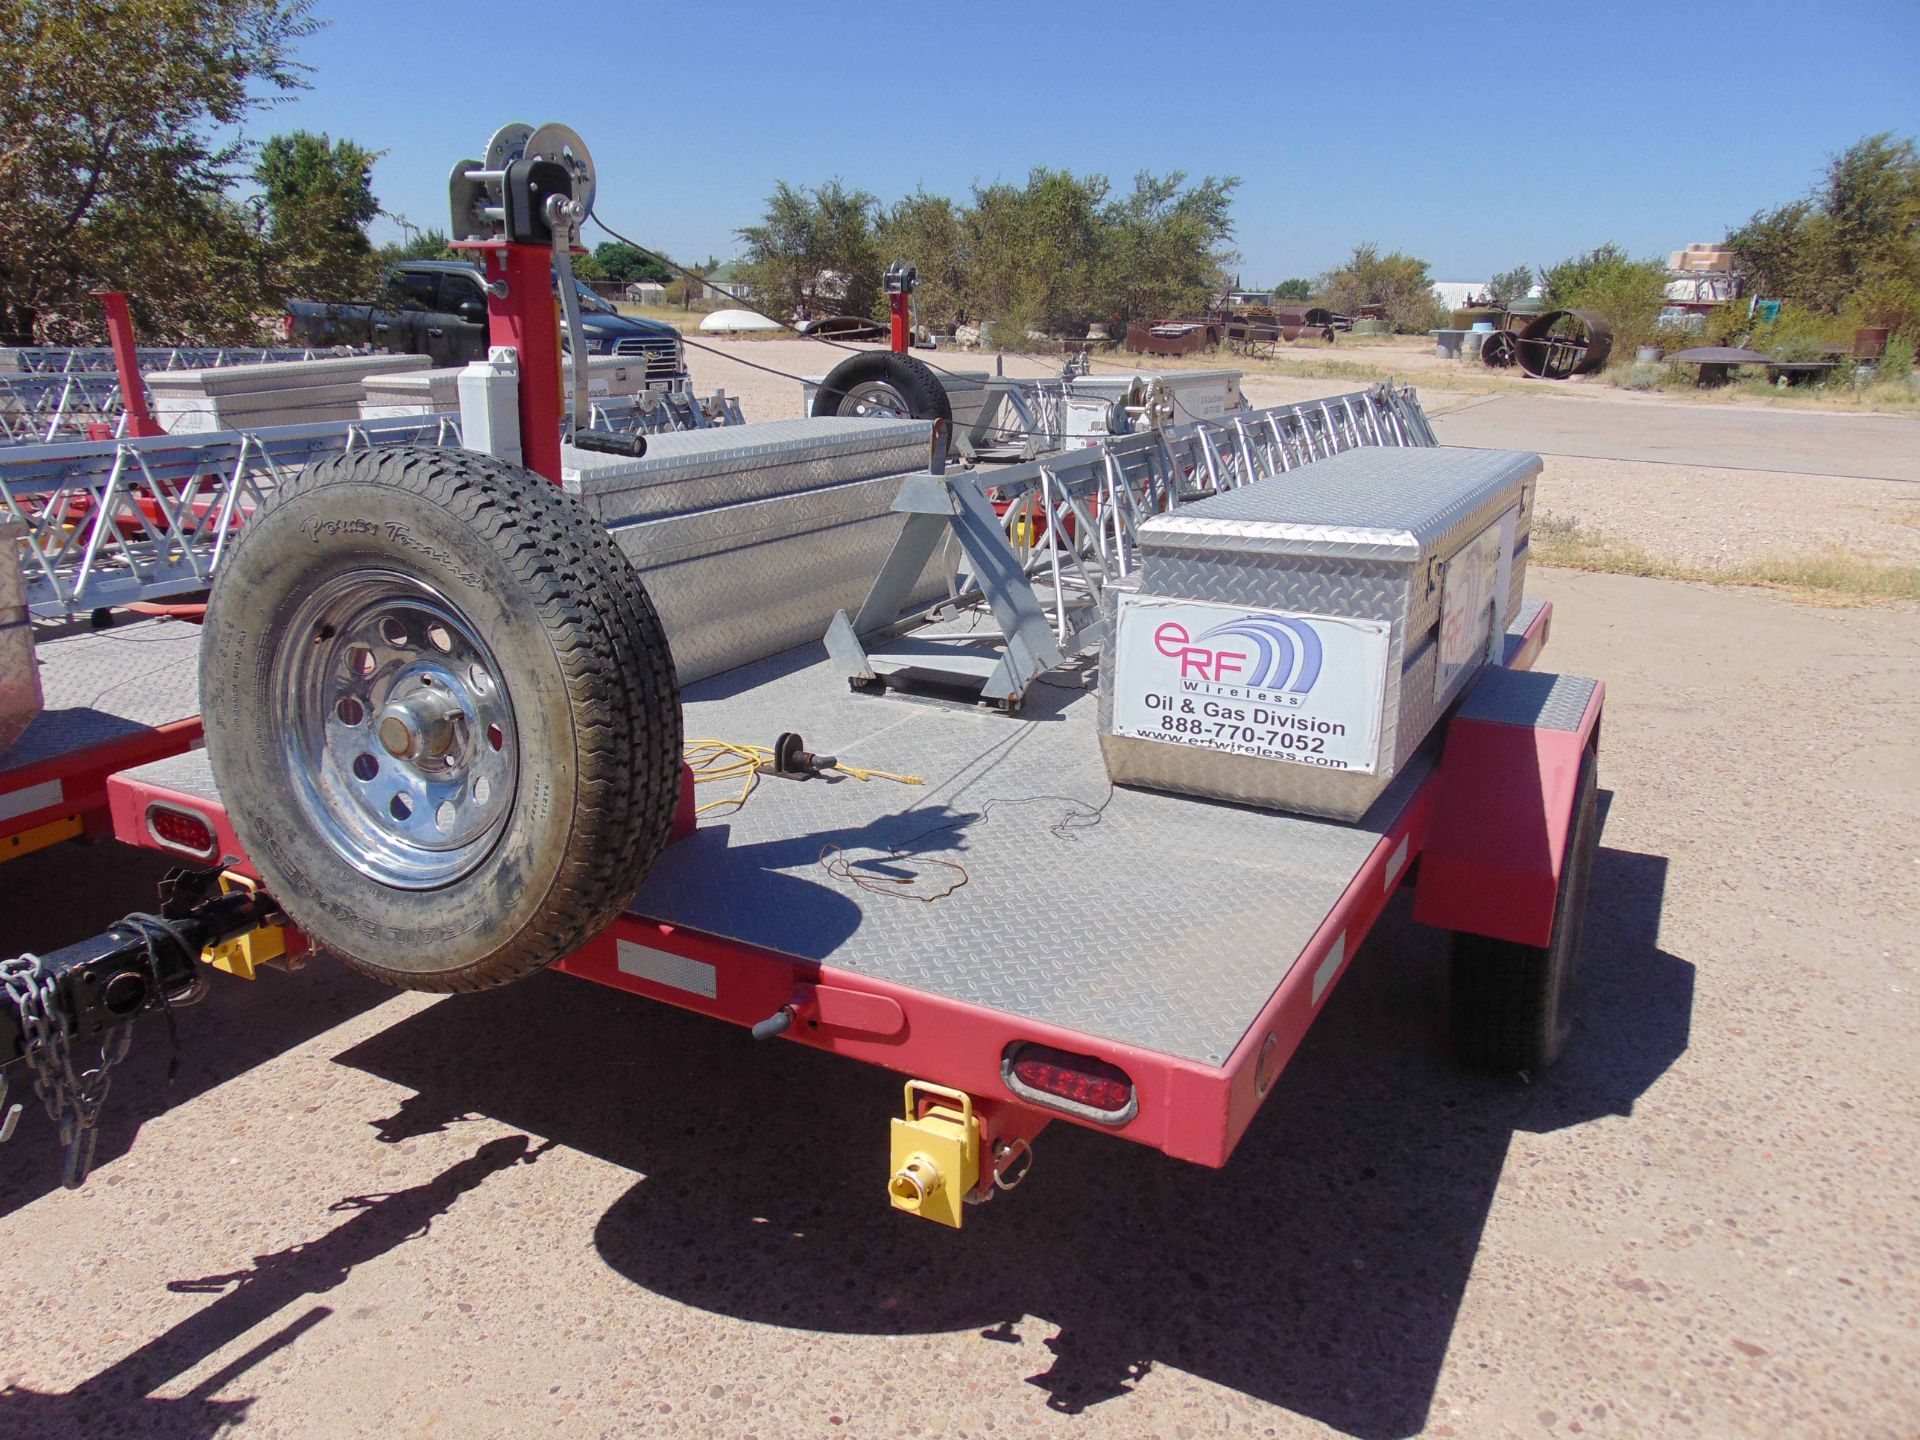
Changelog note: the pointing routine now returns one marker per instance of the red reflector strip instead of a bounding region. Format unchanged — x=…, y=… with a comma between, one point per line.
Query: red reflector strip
x=181, y=830
x=1080, y=1080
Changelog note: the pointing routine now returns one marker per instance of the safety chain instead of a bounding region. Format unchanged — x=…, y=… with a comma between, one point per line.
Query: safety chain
x=72, y=1097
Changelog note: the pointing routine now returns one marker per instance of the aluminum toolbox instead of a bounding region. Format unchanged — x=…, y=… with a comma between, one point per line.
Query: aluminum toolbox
x=742, y=582
x=1290, y=644
x=700, y=469
x=750, y=539
x=20, y=698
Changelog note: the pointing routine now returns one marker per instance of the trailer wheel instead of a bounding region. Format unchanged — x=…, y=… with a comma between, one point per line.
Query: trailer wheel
x=441, y=713
x=881, y=383
x=1510, y=1005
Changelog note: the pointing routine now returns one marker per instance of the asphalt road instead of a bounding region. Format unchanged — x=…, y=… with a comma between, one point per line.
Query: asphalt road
x=561, y=1211
x=1736, y=437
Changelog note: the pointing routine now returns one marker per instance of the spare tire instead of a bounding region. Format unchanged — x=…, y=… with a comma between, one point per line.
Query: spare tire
x=441, y=713
x=881, y=383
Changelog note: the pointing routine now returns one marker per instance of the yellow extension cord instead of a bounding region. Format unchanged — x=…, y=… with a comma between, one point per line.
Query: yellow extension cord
x=715, y=760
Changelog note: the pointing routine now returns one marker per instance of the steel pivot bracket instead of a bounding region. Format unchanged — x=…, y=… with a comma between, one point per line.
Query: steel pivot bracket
x=935, y=505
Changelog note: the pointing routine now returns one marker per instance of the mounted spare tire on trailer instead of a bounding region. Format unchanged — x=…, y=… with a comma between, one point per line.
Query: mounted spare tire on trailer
x=442, y=713
x=883, y=384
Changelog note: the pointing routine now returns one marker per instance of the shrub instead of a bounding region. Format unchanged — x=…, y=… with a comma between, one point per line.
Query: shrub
x=1398, y=281
x=1897, y=363
x=1797, y=333
x=1628, y=294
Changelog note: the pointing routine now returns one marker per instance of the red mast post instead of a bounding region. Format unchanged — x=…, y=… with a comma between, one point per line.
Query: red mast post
x=523, y=314
x=126, y=363
x=900, y=279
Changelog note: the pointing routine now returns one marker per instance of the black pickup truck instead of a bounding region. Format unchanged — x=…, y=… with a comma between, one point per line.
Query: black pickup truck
x=437, y=308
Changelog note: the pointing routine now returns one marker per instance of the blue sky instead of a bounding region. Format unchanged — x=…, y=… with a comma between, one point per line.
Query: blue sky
x=1477, y=137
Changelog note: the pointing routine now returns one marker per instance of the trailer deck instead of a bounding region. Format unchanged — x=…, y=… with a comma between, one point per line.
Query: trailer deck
x=115, y=698
x=1015, y=896
x=1132, y=916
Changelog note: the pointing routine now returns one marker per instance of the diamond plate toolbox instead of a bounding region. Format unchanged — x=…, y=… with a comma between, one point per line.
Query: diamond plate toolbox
x=1290, y=644
x=697, y=470
x=19, y=675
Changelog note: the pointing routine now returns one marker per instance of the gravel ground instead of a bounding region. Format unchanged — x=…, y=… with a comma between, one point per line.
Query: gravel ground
x=1684, y=514
x=566, y=1212
x=1692, y=515
x=555, y=1211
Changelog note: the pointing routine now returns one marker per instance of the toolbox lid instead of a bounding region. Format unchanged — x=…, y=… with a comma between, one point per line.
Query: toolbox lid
x=1375, y=502
x=725, y=449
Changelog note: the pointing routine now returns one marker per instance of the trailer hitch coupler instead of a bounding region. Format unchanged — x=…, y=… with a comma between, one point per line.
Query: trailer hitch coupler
x=914, y=1181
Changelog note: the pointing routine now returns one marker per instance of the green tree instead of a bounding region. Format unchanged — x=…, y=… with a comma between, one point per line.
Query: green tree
x=1627, y=293
x=317, y=194
x=1851, y=247
x=813, y=253
x=1398, y=281
x=1163, y=247
x=428, y=244
x=1295, y=289
x=930, y=233
x=1037, y=251
x=119, y=128
x=687, y=292
x=1510, y=285
x=1562, y=282
x=629, y=263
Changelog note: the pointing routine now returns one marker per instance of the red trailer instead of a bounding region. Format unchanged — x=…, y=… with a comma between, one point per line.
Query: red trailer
x=446, y=743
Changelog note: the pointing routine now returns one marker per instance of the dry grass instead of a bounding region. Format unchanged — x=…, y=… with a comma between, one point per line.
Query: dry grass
x=1366, y=359
x=1372, y=358
x=1832, y=577
x=1884, y=397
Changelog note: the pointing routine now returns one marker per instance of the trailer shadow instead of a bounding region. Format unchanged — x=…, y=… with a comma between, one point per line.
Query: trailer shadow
x=80, y=889
x=1321, y=1271
x=120, y=1399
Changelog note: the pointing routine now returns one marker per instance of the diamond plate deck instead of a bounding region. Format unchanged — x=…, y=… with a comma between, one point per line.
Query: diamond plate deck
x=189, y=774
x=103, y=684
x=1538, y=701
x=1149, y=919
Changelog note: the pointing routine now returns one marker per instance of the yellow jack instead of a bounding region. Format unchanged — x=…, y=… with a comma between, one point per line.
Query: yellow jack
x=936, y=1156
x=245, y=954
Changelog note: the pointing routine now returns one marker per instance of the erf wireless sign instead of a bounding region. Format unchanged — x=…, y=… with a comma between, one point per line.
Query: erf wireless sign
x=1307, y=689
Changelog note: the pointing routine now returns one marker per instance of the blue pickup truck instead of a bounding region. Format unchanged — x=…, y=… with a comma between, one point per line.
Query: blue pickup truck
x=437, y=308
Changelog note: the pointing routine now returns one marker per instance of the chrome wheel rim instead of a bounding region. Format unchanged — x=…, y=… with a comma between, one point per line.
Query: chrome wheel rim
x=395, y=729
x=876, y=398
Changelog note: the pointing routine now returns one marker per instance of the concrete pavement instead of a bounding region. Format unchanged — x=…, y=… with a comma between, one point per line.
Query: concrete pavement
x=1740, y=437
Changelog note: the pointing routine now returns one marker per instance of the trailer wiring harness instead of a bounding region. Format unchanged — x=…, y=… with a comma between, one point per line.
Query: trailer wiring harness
x=713, y=761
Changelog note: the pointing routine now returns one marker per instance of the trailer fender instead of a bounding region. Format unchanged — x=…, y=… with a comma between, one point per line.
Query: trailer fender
x=1509, y=779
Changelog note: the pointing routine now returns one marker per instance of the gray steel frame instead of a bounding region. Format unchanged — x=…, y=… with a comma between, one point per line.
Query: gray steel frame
x=1096, y=495
x=154, y=515
x=68, y=360
x=201, y=485
x=40, y=409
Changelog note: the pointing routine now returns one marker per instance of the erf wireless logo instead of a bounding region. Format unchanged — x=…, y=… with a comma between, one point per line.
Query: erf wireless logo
x=1276, y=653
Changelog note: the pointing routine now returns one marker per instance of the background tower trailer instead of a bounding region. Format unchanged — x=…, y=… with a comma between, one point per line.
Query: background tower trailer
x=444, y=741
